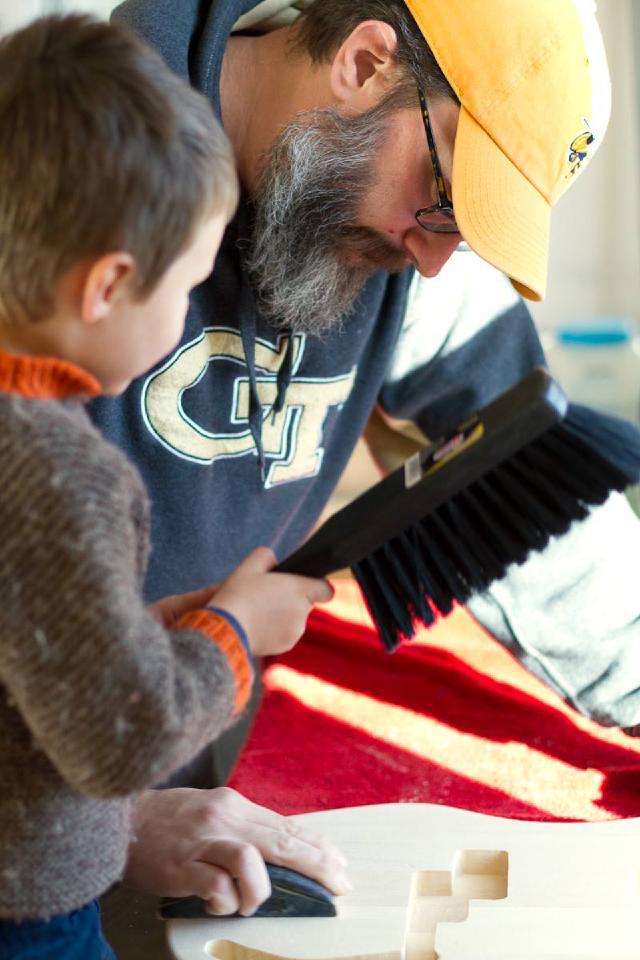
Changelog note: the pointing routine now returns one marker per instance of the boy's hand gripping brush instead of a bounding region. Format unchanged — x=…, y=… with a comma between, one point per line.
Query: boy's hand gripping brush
x=451, y=520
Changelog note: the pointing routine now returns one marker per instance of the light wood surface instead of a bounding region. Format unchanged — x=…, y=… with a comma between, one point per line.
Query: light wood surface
x=436, y=883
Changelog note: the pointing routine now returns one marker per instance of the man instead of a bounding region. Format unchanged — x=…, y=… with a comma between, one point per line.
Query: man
x=310, y=319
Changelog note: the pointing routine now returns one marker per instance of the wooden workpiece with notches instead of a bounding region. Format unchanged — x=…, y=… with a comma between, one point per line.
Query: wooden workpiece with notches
x=437, y=883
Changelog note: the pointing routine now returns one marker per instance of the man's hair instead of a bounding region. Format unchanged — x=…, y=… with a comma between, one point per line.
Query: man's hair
x=327, y=23
x=102, y=148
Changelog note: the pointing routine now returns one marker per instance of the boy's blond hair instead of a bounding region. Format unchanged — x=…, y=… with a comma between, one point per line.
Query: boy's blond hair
x=102, y=148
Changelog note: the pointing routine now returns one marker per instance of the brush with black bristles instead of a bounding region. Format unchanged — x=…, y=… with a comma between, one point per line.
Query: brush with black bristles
x=451, y=520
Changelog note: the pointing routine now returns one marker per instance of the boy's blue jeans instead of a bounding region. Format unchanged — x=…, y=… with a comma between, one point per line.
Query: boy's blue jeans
x=69, y=936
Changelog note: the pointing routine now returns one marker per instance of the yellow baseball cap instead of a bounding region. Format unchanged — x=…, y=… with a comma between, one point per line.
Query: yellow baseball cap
x=533, y=84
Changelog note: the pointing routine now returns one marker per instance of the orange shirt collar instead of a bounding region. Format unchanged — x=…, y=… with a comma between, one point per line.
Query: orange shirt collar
x=45, y=378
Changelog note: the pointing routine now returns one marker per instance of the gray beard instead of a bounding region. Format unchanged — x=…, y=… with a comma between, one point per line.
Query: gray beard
x=310, y=189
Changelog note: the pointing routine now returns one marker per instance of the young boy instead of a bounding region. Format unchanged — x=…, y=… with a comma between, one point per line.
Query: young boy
x=116, y=184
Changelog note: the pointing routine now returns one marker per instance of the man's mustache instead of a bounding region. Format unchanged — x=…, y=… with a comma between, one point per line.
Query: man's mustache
x=373, y=248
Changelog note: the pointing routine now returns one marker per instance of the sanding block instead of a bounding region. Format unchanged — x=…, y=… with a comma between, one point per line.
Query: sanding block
x=292, y=895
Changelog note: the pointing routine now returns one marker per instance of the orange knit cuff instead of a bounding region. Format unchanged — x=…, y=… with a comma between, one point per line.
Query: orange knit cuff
x=218, y=630
x=45, y=377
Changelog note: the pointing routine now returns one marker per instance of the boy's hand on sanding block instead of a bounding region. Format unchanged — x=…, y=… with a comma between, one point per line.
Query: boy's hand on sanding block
x=292, y=895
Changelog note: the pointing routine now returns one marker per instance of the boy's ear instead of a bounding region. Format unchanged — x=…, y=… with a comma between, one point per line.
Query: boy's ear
x=106, y=281
x=364, y=64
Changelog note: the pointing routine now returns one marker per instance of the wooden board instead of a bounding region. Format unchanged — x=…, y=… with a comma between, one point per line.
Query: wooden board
x=436, y=883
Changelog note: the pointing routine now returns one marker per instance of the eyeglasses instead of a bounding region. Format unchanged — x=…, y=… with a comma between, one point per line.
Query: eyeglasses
x=438, y=218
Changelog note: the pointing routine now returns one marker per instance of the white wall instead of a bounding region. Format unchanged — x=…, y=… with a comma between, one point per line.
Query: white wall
x=13, y=13
x=595, y=245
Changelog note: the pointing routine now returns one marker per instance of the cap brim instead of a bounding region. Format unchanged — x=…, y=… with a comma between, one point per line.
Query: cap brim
x=500, y=213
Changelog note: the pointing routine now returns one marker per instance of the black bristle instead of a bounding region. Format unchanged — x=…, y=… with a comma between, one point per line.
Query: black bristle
x=615, y=441
x=401, y=565
x=479, y=532
x=478, y=563
x=391, y=616
x=532, y=530
x=493, y=490
x=430, y=573
x=469, y=542
x=585, y=482
x=412, y=568
x=508, y=531
x=456, y=562
x=540, y=497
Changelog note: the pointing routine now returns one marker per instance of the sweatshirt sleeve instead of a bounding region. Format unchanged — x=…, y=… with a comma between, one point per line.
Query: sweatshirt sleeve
x=167, y=25
x=114, y=700
x=570, y=614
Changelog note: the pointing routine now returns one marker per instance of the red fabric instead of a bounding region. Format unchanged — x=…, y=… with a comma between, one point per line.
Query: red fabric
x=449, y=718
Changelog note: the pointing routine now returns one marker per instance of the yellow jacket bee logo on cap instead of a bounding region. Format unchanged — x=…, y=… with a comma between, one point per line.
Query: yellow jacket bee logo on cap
x=579, y=149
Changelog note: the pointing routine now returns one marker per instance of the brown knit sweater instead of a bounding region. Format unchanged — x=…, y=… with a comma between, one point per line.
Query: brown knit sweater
x=98, y=701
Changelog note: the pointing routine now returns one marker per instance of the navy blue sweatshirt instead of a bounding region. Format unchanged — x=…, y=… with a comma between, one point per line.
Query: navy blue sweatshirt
x=427, y=352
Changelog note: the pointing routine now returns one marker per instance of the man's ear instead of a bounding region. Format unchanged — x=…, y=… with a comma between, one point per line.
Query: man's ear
x=364, y=65
x=106, y=281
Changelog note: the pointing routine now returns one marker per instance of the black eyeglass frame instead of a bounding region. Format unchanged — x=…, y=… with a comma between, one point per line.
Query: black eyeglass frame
x=444, y=206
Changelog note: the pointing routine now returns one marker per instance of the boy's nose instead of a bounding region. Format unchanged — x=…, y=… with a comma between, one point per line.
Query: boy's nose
x=430, y=251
